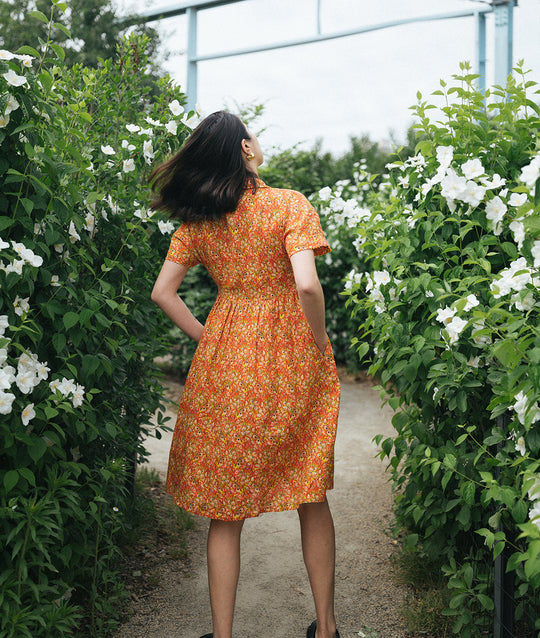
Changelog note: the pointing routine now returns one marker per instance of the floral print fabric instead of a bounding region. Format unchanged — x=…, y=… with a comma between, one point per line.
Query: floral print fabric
x=257, y=420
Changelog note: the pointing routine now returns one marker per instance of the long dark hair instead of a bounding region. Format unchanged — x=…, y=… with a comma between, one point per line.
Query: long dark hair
x=208, y=175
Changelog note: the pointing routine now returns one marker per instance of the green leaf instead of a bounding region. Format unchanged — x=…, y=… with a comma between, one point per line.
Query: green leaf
x=27, y=473
x=506, y=352
x=485, y=601
x=63, y=28
x=39, y=15
x=60, y=54
x=59, y=341
x=70, y=319
x=37, y=449
x=362, y=350
x=11, y=478
x=468, y=490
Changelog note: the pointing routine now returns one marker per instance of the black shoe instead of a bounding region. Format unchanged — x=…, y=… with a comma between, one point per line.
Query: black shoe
x=208, y=636
x=311, y=631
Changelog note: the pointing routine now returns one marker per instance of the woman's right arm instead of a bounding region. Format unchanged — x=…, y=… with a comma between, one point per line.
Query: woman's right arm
x=310, y=294
x=165, y=295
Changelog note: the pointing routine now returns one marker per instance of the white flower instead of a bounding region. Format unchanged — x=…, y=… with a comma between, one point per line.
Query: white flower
x=6, y=55
x=480, y=340
x=108, y=150
x=6, y=399
x=535, y=252
x=12, y=105
x=3, y=356
x=531, y=172
x=521, y=408
x=534, y=514
x=26, y=59
x=166, y=228
x=496, y=182
x=67, y=386
x=176, y=108
x=21, y=305
x=473, y=193
x=495, y=211
x=55, y=280
x=445, y=155
x=133, y=128
x=59, y=248
x=445, y=315
x=520, y=446
x=13, y=79
x=172, y=127
x=474, y=362
x=53, y=385
x=455, y=328
x=4, y=323
x=472, y=301
x=518, y=230
x=73, y=234
x=4, y=120
x=126, y=144
x=517, y=199
x=148, y=151
x=90, y=221
x=42, y=371
x=7, y=376
x=28, y=414
x=146, y=131
x=3, y=244
x=16, y=266
x=78, y=396
x=514, y=278
x=26, y=380
x=472, y=168
x=128, y=165
x=453, y=185
x=534, y=490
x=152, y=122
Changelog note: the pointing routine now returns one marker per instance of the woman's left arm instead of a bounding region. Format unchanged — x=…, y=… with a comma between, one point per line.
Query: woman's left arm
x=165, y=295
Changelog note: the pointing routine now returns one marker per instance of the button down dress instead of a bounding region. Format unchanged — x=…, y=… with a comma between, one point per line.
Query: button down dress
x=257, y=419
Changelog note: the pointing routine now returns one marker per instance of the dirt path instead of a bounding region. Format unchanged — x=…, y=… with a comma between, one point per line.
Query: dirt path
x=273, y=596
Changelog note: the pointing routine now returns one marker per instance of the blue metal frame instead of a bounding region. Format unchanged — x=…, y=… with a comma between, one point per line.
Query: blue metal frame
x=502, y=9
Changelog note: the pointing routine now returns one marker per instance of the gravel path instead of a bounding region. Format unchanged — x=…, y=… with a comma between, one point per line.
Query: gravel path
x=274, y=600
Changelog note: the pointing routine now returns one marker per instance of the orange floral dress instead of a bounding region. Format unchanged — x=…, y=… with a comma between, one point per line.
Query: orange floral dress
x=257, y=419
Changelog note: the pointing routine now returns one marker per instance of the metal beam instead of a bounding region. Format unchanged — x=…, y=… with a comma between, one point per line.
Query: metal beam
x=480, y=20
x=176, y=9
x=503, y=11
x=342, y=34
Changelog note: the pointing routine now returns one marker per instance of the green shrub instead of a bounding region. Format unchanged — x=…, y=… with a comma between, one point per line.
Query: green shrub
x=450, y=301
x=78, y=332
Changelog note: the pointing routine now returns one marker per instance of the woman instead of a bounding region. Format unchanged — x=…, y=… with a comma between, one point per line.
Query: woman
x=257, y=420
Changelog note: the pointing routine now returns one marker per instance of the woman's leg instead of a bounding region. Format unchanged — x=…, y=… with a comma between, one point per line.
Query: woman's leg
x=223, y=552
x=318, y=547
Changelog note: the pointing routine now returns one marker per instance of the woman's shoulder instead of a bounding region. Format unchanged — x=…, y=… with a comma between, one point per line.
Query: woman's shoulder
x=286, y=195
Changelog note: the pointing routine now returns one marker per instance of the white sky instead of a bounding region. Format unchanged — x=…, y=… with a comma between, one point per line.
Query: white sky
x=338, y=88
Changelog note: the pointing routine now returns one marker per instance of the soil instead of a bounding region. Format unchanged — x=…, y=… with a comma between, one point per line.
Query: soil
x=274, y=599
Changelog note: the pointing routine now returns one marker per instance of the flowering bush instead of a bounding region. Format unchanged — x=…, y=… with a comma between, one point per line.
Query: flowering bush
x=342, y=208
x=78, y=333
x=451, y=302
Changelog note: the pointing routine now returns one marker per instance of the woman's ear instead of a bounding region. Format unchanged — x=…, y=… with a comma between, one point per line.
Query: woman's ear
x=246, y=146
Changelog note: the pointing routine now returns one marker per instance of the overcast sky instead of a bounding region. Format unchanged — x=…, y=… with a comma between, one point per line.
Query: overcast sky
x=362, y=84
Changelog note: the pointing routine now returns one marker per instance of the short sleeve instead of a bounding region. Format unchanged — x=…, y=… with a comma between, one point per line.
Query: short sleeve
x=303, y=228
x=182, y=250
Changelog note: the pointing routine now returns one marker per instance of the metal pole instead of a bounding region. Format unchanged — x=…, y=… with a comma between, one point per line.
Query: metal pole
x=192, y=59
x=480, y=19
x=503, y=11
